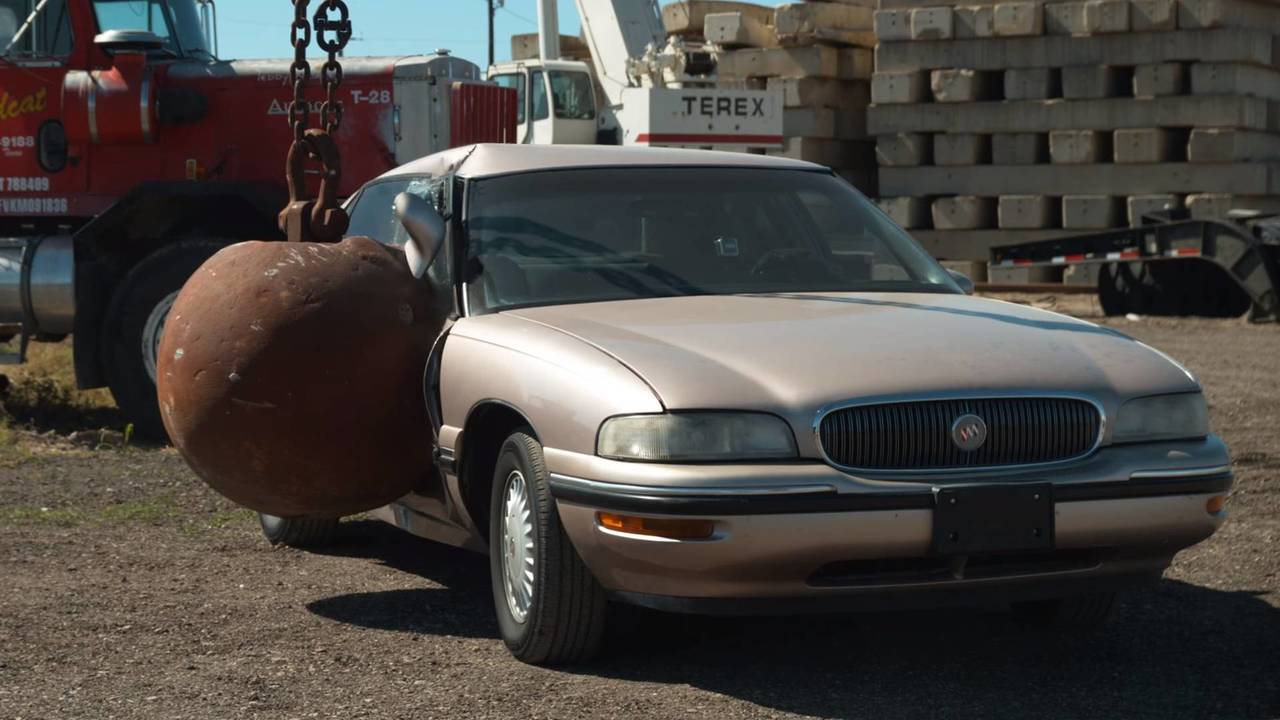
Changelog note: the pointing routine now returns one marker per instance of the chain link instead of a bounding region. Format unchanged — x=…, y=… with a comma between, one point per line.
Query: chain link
x=340, y=27
x=300, y=70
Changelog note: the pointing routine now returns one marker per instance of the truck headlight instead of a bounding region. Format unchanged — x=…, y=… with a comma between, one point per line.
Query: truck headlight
x=696, y=437
x=1162, y=417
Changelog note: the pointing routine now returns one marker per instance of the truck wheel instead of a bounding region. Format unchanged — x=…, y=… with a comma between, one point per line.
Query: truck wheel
x=550, y=608
x=299, y=532
x=134, y=322
x=1081, y=612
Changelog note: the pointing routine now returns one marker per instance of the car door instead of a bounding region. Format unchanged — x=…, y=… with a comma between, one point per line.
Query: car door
x=541, y=122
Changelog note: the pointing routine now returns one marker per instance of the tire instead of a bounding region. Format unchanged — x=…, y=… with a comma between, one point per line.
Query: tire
x=135, y=317
x=299, y=532
x=1078, y=612
x=560, y=616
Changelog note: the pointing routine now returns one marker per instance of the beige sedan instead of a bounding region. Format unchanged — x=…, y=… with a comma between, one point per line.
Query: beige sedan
x=722, y=383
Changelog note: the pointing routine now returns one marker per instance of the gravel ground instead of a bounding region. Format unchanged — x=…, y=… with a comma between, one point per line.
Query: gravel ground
x=129, y=590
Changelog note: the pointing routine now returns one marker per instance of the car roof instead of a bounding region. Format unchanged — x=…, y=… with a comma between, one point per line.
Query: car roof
x=487, y=160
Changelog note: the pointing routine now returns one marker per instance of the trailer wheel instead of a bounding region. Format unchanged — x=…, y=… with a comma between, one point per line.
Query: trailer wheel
x=134, y=323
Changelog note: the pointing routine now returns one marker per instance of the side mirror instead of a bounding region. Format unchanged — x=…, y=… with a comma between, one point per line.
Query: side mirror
x=137, y=41
x=426, y=231
x=962, y=280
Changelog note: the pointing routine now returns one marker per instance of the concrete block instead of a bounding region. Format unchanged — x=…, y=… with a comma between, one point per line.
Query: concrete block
x=1247, y=178
x=1255, y=46
x=1106, y=114
x=1090, y=212
x=1065, y=18
x=1159, y=79
x=1073, y=147
x=1032, y=83
x=1090, y=82
x=1018, y=19
x=1201, y=14
x=899, y=87
x=738, y=30
x=962, y=85
x=1234, y=79
x=1149, y=15
x=853, y=95
x=810, y=61
x=803, y=23
x=1220, y=205
x=1139, y=205
x=907, y=212
x=824, y=122
x=973, y=21
x=894, y=24
x=1027, y=212
x=934, y=23
x=1225, y=145
x=1143, y=145
x=1107, y=16
x=688, y=17
x=964, y=212
x=961, y=149
x=904, y=149
x=1019, y=148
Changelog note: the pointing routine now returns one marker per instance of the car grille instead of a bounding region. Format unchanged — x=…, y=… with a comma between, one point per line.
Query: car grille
x=917, y=435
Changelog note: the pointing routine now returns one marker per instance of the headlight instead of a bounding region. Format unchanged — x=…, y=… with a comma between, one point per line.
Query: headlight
x=694, y=437
x=1162, y=417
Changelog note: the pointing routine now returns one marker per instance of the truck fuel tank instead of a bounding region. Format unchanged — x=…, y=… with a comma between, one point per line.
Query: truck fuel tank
x=290, y=376
x=37, y=284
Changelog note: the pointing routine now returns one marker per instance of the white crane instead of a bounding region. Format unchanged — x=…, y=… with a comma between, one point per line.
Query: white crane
x=655, y=91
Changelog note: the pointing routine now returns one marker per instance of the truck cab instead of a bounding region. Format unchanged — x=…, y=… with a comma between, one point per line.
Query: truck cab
x=556, y=101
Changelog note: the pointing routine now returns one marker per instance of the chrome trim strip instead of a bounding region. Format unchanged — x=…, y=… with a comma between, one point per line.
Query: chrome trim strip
x=934, y=397
x=1192, y=472
x=93, y=107
x=686, y=491
x=145, y=104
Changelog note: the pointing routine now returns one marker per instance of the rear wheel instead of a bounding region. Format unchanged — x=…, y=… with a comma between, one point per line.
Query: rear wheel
x=298, y=532
x=550, y=608
x=1081, y=612
x=134, y=324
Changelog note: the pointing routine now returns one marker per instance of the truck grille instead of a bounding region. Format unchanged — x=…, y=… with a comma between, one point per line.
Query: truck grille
x=918, y=435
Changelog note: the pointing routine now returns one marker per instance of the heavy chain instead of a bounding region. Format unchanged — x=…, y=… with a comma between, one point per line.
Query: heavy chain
x=331, y=73
x=304, y=219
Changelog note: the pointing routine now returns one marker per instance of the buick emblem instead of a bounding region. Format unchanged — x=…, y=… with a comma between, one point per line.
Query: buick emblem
x=969, y=432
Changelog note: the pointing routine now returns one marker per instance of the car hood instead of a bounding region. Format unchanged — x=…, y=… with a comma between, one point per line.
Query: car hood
x=794, y=353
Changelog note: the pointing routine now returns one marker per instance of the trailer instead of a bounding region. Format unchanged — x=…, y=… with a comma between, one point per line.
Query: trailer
x=1172, y=264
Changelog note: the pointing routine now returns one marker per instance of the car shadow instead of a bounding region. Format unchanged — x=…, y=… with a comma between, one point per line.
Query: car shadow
x=1171, y=650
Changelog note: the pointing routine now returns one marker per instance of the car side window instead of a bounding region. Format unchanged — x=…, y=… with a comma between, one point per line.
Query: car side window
x=514, y=81
x=374, y=212
x=538, y=89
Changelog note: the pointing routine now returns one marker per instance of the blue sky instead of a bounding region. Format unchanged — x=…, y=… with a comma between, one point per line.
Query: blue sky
x=260, y=29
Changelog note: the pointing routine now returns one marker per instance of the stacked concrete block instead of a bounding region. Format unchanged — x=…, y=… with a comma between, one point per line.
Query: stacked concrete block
x=818, y=55
x=1035, y=120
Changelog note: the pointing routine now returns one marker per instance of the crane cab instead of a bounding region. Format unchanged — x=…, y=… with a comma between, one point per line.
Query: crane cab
x=556, y=101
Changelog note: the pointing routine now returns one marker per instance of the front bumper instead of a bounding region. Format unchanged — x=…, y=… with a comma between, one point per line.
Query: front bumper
x=828, y=540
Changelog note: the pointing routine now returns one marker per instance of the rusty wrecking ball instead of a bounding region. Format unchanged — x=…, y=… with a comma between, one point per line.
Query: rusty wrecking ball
x=289, y=376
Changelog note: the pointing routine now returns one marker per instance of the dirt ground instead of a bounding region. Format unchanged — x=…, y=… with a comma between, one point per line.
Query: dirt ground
x=129, y=590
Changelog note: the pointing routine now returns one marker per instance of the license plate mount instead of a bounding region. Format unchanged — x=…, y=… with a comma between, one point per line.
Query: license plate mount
x=1010, y=517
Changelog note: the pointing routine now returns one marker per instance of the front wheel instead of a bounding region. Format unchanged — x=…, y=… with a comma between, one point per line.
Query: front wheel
x=550, y=608
x=135, y=320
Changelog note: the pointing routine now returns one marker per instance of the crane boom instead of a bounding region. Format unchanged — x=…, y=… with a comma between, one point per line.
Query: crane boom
x=616, y=32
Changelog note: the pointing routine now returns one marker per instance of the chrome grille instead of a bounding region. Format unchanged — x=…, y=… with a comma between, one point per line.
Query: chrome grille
x=917, y=435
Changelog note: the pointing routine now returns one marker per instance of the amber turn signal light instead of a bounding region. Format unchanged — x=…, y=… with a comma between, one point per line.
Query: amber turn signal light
x=671, y=528
x=1216, y=504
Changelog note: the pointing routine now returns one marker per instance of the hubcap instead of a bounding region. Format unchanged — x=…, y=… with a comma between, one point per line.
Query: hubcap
x=153, y=330
x=516, y=551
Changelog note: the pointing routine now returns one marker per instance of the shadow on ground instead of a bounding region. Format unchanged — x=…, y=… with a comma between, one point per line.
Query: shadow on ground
x=1172, y=650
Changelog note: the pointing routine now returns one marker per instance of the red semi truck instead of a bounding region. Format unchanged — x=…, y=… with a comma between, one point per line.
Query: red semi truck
x=129, y=153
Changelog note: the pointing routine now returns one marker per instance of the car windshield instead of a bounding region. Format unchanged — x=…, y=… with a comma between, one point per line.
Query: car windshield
x=571, y=236
x=176, y=22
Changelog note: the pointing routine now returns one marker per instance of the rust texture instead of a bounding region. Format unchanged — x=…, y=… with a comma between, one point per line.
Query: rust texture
x=290, y=376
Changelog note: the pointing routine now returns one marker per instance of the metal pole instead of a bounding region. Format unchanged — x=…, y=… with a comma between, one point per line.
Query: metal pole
x=492, y=10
